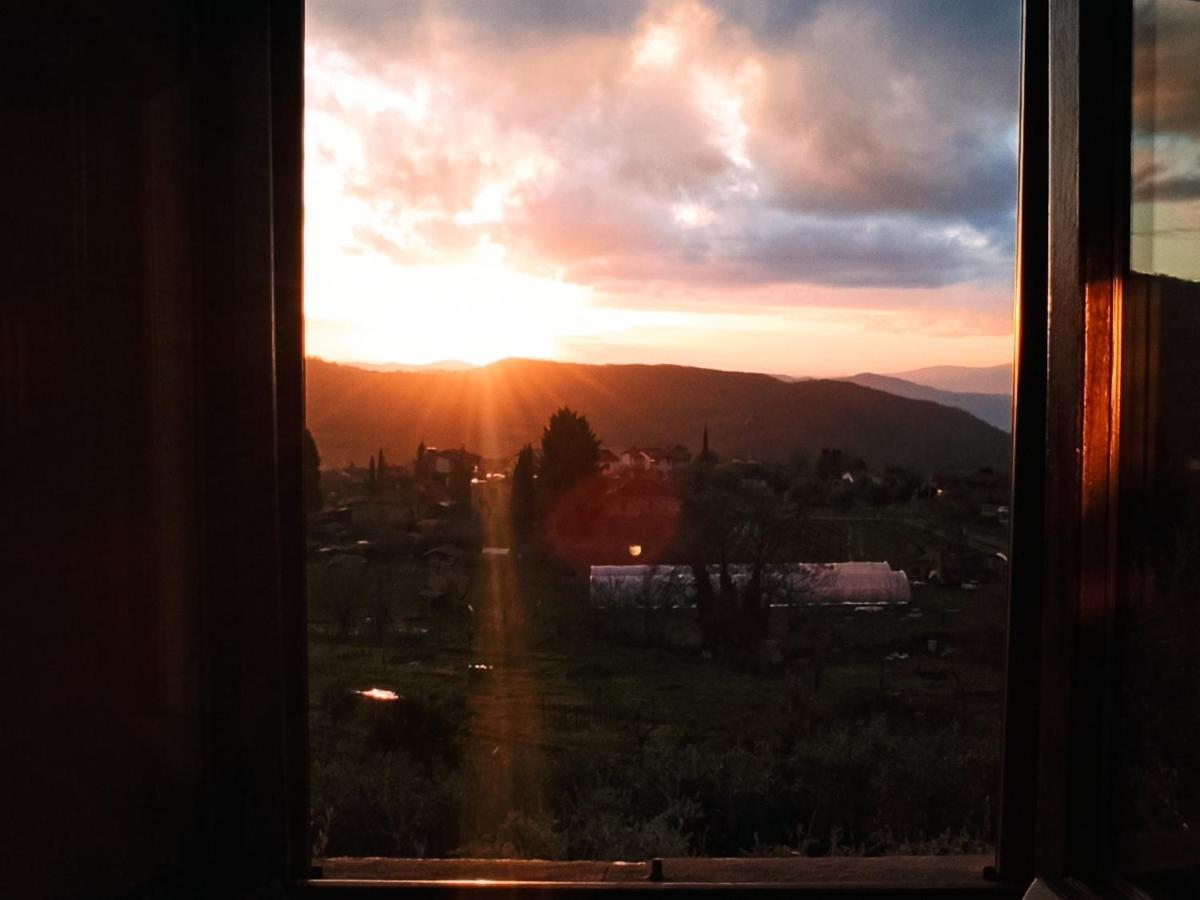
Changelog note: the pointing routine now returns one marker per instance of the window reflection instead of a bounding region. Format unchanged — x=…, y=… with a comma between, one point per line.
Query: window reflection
x=1166, y=139
x=1157, y=729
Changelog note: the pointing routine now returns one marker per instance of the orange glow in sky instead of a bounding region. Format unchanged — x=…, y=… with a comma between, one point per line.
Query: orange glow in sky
x=674, y=187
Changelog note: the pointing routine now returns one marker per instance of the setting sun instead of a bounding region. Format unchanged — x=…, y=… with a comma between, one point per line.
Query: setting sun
x=678, y=189
x=478, y=310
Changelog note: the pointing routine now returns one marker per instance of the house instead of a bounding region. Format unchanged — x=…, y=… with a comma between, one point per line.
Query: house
x=656, y=459
x=445, y=467
x=670, y=459
x=608, y=462
x=635, y=460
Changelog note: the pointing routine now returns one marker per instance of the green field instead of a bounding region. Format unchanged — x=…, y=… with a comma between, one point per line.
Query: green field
x=530, y=725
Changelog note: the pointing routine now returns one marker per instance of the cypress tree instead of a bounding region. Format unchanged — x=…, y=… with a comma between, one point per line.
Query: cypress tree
x=570, y=451
x=521, y=504
x=707, y=457
x=312, y=474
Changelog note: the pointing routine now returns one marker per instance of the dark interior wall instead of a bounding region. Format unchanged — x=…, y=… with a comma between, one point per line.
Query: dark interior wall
x=107, y=763
x=140, y=466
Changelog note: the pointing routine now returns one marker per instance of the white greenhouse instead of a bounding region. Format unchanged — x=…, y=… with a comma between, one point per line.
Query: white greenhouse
x=871, y=584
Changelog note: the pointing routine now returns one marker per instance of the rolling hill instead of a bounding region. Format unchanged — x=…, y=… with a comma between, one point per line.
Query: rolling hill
x=995, y=409
x=495, y=409
x=442, y=365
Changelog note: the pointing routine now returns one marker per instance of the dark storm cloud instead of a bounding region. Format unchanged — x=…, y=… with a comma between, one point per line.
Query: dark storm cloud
x=986, y=32
x=890, y=252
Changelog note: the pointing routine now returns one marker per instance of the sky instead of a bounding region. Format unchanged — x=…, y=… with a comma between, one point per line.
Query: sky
x=803, y=188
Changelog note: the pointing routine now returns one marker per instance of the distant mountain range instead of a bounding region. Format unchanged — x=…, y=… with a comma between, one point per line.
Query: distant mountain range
x=983, y=391
x=494, y=409
x=963, y=379
x=995, y=409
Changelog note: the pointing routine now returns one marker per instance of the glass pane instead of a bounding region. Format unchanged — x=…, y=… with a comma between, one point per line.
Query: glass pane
x=1157, y=761
x=1158, y=638
x=660, y=390
x=1166, y=139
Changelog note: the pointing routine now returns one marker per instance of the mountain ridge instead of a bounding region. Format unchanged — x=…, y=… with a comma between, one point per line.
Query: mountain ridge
x=441, y=365
x=962, y=379
x=995, y=409
x=495, y=409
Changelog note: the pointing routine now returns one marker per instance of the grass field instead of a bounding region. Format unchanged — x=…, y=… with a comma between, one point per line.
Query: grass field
x=529, y=724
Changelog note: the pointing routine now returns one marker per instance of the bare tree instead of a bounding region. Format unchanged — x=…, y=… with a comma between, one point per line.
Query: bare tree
x=740, y=532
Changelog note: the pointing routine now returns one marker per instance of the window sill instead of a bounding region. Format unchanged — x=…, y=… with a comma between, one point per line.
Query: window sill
x=898, y=875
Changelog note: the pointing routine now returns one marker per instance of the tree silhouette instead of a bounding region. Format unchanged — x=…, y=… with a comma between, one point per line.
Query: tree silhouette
x=706, y=455
x=724, y=524
x=570, y=452
x=311, y=466
x=830, y=465
x=523, y=493
x=707, y=534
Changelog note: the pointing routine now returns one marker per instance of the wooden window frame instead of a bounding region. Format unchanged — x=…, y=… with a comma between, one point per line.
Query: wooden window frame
x=1072, y=252
x=1073, y=247
x=200, y=107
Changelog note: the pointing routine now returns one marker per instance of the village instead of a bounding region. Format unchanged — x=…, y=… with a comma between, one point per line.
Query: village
x=670, y=599
x=445, y=501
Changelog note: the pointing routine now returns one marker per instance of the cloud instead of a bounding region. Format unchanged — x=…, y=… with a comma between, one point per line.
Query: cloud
x=1166, y=80
x=681, y=144
x=1167, y=173
x=860, y=119
x=1179, y=187
x=378, y=31
x=885, y=252
x=1166, y=103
